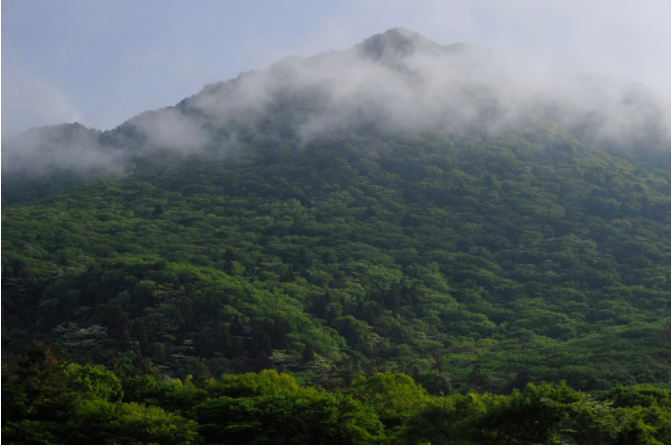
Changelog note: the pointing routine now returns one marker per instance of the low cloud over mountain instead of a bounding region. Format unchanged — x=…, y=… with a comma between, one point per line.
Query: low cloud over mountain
x=397, y=81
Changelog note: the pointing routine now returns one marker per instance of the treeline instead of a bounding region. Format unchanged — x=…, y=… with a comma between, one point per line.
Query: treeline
x=48, y=401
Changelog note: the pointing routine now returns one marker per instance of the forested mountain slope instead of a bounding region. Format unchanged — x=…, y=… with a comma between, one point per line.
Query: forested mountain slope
x=401, y=207
x=468, y=262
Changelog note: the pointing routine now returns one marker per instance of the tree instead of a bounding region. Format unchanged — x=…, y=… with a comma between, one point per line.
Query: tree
x=308, y=353
x=306, y=416
x=394, y=397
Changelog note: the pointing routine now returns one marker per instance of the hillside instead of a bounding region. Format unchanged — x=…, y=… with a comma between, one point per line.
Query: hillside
x=252, y=227
x=501, y=256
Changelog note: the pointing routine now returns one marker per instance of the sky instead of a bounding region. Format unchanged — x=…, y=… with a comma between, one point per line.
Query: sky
x=102, y=62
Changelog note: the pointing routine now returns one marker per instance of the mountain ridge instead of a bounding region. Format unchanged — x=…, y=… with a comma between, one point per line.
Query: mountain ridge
x=393, y=81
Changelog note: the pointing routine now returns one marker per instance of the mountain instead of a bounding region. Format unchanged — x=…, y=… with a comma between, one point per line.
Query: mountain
x=401, y=206
x=397, y=81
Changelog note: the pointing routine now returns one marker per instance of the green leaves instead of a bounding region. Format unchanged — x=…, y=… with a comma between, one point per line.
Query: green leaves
x=101, y=422
x=544, y=414
x=270, y=408
x=543, y=255
x=394, y=397
x=47, y=401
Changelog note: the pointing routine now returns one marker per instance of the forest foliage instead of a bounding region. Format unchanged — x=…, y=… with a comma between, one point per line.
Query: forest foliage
x=418, y=287
x=470, y=264
x=48, y=401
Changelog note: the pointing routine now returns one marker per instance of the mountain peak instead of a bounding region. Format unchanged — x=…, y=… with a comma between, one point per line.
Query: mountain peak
x=396, y=42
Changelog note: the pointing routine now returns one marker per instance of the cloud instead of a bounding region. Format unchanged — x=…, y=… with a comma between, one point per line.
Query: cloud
x=397, y=81
x=170, y=129
x=622, y=38
x=65, y=148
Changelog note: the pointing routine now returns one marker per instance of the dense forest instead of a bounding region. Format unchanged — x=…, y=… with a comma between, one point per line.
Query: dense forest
x=360, y=286
x=48, y=401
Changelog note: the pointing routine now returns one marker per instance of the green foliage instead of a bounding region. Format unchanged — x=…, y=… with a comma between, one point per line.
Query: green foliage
x=102, y=422
x=271, y=408
x=476, y=265
x=306, y=416
x=543, y=414
x=394, y=397
x=46, y=401
x=39, y=388
x=644, y=395
x=252, y=384
x=173, y=395
x=30, y=432
x=95, y=382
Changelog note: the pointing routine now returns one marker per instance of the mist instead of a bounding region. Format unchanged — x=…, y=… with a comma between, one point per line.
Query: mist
x=66, y=147
x=393, y=82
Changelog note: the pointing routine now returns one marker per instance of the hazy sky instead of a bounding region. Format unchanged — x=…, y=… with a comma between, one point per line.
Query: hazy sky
x=100, y=62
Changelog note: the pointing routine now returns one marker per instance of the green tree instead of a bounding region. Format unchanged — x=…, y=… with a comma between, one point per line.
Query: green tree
x=394, y=397
x=306, y=416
